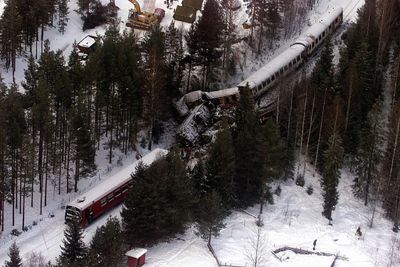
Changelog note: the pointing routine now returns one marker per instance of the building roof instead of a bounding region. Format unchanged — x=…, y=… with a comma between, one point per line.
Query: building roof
x=87, y=42
x=196, y=4
x=136, y=253
x=185, y=14
x=115, y=181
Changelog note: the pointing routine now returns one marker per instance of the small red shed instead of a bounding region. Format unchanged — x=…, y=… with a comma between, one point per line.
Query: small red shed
x=136, y=257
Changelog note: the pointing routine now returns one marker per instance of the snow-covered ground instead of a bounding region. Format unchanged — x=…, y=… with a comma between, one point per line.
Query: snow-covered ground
x=294, y=220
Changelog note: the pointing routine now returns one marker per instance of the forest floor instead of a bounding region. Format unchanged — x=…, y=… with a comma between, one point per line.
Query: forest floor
x=294, y=220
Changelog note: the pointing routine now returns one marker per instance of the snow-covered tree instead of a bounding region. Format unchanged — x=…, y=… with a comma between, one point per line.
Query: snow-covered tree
x=15, y=259
x=73, y=250
x=330, y=175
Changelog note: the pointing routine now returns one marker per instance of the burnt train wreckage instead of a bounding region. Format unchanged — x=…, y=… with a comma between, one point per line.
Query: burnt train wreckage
x=261, y=81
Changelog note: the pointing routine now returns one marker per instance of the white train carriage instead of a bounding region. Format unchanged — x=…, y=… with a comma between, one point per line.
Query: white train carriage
x=279, y=67
x=319, y=31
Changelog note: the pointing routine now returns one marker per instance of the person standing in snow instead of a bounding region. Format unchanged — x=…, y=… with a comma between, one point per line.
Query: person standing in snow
x=314, y=244
x=358, y=232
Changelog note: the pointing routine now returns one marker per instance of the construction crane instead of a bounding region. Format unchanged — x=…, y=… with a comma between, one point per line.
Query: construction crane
x=141, y=19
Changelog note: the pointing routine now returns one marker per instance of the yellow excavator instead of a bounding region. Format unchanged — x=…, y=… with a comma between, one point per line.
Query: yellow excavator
x=141, y=19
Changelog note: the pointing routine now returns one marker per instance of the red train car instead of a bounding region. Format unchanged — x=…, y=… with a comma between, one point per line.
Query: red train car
x=108, y=194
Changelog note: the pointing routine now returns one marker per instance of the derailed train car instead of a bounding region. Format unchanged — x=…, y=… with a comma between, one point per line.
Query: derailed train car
x=261, y=81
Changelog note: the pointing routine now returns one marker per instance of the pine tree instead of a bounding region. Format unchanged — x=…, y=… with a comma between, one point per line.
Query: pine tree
x=274, y=150
x=230, y=35
x=370, y=154
x=249, y=153
x=220, y=169
x=206, y=39
x=210, y=216
x=391, y=167
x=259, y=17
x=62, y=15
x=199, y=181
x=15, y=130
x=331, y=174
x=155, y=95
x=10, y=32
x=159, y=208
x=174, y=54
x=31, y=80
x=3, y=150
x=181, y=192
x=15, y=259
x=274, y=20
x=323, y=72
x=73, y=250
x=106, y=248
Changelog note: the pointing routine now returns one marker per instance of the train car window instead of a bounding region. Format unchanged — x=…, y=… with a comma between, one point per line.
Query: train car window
x=269, y=80
x=125, y=190
x=291, y=64
x=323, y=34
x=286, y=67
x=281, y=71
x=118, y=193
x=103, y=202
x=273, y=78
x=110, y=197
x=264, y=83
x=298, y=58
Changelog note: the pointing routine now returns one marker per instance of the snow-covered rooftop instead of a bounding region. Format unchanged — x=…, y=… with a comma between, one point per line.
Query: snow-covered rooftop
x=136, y=253
x=87, y=42
x=112, y=183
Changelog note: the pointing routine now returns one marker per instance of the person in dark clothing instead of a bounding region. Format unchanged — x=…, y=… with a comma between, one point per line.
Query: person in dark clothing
x=314, y=244
x=358, y=232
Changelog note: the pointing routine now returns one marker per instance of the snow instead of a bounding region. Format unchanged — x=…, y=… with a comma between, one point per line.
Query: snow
x=87, y=42
x=182, y=105
x=222, y=93
x=115, y=181
x=327, y=19
x=136, y=253
x=272, y=68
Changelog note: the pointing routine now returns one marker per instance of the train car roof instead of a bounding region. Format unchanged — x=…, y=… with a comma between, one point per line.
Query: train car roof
x=113, y=182
x=222, y=93
x=320, y=26
x=273, y=66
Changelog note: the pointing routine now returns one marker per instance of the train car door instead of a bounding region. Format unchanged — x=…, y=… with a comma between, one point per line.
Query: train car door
x=89, y=215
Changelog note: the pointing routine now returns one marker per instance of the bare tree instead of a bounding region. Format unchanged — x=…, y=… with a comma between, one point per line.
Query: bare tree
x=35, y=260
x=256, y=252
